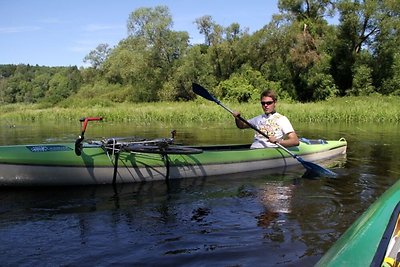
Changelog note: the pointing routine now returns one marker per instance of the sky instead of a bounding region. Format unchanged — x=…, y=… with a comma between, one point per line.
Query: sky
x=63, y=32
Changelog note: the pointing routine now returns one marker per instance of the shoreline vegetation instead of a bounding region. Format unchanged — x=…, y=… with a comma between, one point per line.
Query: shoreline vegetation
x=377, y=109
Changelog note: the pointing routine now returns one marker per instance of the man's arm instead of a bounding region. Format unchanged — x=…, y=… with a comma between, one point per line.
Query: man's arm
x=291, y=140
x=239, y=123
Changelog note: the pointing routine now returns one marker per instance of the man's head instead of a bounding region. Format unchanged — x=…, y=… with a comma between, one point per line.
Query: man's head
x=268, y=100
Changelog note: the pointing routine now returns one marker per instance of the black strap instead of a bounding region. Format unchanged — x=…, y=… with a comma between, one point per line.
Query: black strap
x=116, y=156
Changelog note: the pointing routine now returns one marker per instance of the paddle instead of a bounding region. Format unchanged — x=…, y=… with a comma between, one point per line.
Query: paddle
x=312, y=167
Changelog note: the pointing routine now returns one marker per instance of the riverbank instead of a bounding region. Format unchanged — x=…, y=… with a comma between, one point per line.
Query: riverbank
x=382, y=109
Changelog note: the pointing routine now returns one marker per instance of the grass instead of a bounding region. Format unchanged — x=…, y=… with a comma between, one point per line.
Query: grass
x=348, y=109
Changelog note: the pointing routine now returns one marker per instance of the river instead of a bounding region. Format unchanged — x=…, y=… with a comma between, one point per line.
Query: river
x=256, y=219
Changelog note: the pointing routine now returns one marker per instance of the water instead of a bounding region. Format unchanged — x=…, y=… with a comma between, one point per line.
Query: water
x=256, y=219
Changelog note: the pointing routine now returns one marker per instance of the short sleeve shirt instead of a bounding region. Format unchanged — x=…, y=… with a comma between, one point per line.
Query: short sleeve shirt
x=272, y=125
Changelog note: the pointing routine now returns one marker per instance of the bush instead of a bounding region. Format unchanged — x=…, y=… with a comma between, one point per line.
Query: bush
x=236, y=89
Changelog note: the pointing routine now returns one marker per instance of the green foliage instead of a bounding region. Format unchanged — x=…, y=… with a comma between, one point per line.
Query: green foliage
x=100, y=91
x=31, y=84
x=236, y=89
x=62, y=85
x=97, y=57
x=392, y=85
x=298, y=54
x=7, y=71
x=319, y=81
x=246, y=85
x=193, y=66
x=362, y=81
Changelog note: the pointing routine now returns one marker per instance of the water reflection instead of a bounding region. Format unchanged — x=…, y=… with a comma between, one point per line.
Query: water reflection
x=255, y=219
x=277, y=197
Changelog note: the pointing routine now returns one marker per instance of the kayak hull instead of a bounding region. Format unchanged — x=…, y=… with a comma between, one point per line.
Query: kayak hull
x=372, y=239
x=58, y=164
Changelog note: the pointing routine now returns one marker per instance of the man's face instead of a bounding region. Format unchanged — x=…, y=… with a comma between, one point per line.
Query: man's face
x=268, y=104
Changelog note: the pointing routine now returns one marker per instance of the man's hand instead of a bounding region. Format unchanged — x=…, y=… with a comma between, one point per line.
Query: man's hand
x=239, y=121
x=236, y=114
x=273, y=139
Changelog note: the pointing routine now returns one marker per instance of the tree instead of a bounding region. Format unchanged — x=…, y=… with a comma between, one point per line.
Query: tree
x=7, y=70
x=391, y=85
x=362, y=81
x=298, y=54
x=306, y=59
x=150, y=23
x=385, y=48
x=223, y=46
x=160, y=47
x=246, y=84
x=303, y=10
x=194, y=66
x=154, y=25
x=40, y=86
x=63, y=84
x=97, y=57
x=128, y=65
x=370, y=26
x=205, y=25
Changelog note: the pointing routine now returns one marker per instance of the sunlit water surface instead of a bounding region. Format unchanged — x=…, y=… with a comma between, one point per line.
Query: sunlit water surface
x=252, y=219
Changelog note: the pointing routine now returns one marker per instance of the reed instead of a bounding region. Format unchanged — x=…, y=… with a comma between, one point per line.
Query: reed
x=348, y=109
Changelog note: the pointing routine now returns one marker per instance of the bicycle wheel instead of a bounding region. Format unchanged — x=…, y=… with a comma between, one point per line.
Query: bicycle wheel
x=171, y=149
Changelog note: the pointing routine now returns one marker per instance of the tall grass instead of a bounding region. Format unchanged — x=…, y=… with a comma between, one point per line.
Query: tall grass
x=349, y=109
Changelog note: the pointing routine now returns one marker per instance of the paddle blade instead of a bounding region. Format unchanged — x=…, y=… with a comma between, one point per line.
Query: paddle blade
x=201, y=91
x=316, y=170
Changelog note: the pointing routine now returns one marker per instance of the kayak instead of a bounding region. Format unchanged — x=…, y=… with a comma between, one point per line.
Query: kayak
x=108, y=162
x=373, y=239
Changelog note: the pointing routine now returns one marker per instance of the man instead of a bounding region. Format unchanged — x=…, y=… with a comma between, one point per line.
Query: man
x=276, y=126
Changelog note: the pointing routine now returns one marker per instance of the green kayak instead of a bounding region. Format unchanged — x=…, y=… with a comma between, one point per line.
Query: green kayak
x=109, y=162
x=373, y=239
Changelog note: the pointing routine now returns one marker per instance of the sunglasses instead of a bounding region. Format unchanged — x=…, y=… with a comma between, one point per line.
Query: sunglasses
x=267, y=103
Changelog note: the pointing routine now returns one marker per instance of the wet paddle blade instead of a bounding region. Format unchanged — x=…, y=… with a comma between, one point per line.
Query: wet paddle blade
x=316, y=170
x=312, y=168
